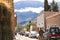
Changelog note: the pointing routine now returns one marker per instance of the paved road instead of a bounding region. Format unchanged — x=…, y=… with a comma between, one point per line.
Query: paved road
x=19, y=37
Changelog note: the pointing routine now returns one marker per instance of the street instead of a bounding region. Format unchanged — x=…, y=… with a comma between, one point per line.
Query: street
x=20, y=37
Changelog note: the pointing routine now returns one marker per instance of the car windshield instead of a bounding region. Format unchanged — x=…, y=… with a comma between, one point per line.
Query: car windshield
x=56, y=30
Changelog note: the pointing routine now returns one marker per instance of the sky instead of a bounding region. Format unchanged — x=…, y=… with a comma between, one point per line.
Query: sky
x=35, y=0
x=27, y=9
x=28, y=6
x=28, y=0
x=37, y=10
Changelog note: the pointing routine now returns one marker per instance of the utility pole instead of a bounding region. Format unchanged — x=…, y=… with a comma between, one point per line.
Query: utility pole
x=45, y=21
x=45, y=9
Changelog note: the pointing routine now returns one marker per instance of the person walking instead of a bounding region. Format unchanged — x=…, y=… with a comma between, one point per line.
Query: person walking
x=41, y=34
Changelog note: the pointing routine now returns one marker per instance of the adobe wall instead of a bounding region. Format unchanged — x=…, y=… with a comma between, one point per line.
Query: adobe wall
x=52, y=19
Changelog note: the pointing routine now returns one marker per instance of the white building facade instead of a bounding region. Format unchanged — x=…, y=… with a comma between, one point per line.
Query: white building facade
x=40, y=20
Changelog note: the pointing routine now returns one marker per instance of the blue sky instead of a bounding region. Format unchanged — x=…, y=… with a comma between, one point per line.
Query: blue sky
x=27, y=9
x=33, y=9
x=35, y=0
x=28, y=0
x=23, y=8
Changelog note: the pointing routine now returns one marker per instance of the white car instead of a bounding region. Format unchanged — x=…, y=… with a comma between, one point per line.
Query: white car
x=33, y=34
x=45, y=34
x=26, y=33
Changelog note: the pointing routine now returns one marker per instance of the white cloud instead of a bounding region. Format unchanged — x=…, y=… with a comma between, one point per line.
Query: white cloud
x=28, y=0
x=36, y=0
x=54, y=0
x=27, y=9
x=17, y=0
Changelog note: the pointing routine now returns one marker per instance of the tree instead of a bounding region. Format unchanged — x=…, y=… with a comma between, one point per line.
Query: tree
x=19, y=28
x=27, y=27
x=45, y=5
x=54, y=6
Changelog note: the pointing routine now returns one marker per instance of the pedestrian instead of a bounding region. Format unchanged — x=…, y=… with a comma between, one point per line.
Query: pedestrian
x=41, y=34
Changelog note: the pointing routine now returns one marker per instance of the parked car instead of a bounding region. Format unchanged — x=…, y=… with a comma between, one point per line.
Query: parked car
x=26, y=33
x=21, y=33
x=33, y=34
x=54, y=33
x=45, y=34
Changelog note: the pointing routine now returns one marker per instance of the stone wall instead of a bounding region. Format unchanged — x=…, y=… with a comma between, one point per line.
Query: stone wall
x=52, y=19
x=8, y=22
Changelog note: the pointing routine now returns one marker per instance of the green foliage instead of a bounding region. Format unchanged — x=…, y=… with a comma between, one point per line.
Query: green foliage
x=55, y=8
x=33, y=23
x=19, y=28
x=27, y=27
x=48, y=7
x=45, y=5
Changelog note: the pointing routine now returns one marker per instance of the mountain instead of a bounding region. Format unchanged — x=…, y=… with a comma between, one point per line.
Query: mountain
x=24, y=4
x=24, y=17
x=22, y=23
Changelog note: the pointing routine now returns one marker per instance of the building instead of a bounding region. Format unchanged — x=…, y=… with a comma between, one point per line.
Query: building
x=40, y=20
x=48, y=19
x=52, y=15
x=52, y=19
x=33, y=27
x=7, y=20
